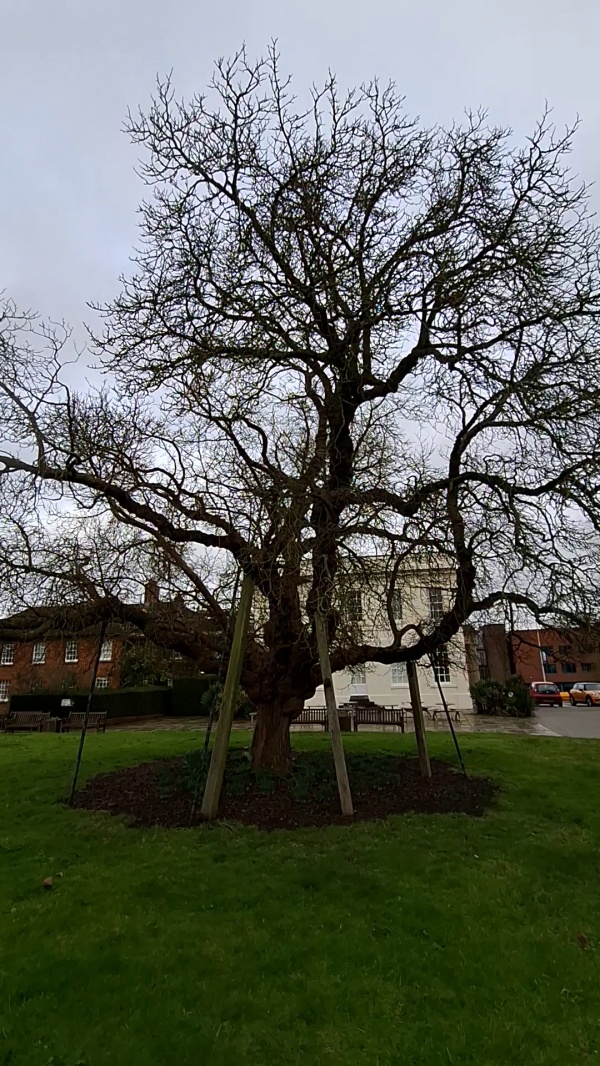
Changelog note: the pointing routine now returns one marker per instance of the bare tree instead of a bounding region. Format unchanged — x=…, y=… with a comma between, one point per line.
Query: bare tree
x=346, y=337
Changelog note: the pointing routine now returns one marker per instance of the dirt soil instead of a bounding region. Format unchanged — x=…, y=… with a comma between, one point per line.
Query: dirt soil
x=161, y=793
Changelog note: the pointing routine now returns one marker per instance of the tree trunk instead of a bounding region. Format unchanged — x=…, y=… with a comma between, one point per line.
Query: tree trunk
x=271, y=747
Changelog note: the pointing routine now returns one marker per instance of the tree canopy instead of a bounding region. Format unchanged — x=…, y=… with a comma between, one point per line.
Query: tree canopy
x=345, y=337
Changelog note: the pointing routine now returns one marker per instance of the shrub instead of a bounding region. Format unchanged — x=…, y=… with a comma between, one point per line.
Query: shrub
x=511, y=699
x=489, y=697
x=520, y=700
x=213, y=695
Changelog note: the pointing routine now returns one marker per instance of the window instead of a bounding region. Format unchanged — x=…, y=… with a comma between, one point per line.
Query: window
x=550, y=668
x=101, y=682
x=358, y=675
x=106, y=651
x=563, y=649
x=8, y=655
x=3, y=691
x=569, y=668
x=39, y=653
x=176, y=656
x=71, y=655
x=170, y=682
x=399, y=674
x=353, y=604
x=586, y=668
x=546, y=650
x=441, y=665
x=436, y=603
x=396, y=606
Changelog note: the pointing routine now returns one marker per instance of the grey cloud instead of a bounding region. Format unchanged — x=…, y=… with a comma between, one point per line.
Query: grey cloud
x=70, y=68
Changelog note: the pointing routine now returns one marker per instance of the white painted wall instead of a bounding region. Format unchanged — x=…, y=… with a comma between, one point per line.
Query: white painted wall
x=378, y=684
x=381, y=690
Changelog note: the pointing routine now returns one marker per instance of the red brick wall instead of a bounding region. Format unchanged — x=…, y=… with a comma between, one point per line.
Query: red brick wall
x=495, y=646
x=55, y=674
x=528, y=663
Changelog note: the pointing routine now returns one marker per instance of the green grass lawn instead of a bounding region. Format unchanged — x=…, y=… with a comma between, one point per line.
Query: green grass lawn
x=422, y=940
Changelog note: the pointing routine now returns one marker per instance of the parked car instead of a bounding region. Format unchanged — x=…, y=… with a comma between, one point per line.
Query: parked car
x=544, y=692
x=585, y=692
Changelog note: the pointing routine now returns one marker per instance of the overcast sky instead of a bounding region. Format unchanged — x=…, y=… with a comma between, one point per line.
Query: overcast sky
x=69, y=69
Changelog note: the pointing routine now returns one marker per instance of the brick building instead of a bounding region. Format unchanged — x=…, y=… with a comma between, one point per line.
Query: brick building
x=563, y=656
x=65, y=662
x=60, y=663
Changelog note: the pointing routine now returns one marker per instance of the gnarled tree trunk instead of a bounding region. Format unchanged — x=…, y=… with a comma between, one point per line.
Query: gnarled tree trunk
x=271, y=747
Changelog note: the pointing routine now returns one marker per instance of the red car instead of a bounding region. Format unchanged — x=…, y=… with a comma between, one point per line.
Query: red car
x=546, y=692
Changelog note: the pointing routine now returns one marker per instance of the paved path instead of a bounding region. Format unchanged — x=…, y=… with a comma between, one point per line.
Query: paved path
x=571, y=721
x=170, y=724
x=469, y=723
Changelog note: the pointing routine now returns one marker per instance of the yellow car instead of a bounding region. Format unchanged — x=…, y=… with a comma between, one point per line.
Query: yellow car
x=587, y=692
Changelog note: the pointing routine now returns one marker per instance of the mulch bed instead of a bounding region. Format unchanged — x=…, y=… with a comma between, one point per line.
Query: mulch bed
x=160, y=793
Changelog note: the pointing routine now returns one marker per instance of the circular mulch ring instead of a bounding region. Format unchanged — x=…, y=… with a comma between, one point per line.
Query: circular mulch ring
x=161, y=792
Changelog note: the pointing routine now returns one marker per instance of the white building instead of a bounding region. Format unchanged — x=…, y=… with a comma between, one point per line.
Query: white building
x=425, y=593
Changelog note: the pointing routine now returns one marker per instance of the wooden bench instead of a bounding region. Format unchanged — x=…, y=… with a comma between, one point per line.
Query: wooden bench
x=439, y=712
x=22, y=721
x=76, y=720
x=379, y=716
x=312, y=716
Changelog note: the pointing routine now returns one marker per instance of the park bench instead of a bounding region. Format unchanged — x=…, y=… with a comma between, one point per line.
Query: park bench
x=439, y=712
x=76, y=719
x=21, y=721
x=357, y=714
x=312, y=716
x=379, y=716
x=318, y=716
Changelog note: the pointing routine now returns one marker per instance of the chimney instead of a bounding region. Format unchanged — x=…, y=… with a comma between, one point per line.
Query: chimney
x=151, y=593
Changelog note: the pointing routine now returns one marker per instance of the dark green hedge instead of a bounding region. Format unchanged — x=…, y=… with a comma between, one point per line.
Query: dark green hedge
x=187, y=696
x=118, y=703
x=184, y=699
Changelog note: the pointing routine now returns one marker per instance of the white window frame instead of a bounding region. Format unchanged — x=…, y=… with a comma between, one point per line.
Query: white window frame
x=401, y=672
x=444, y=666
x=358, y=675
x=106, y=652
x=71, y=658
x=353, y=605
x=38, y=657
x=4, y=691
x=7, y=657
x=396, y=605
x=101, y=682
x=436, y=602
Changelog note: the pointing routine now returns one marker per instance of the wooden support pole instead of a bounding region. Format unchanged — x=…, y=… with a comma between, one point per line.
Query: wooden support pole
x=417, y=710
x=216, y=770
x=341, y=770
